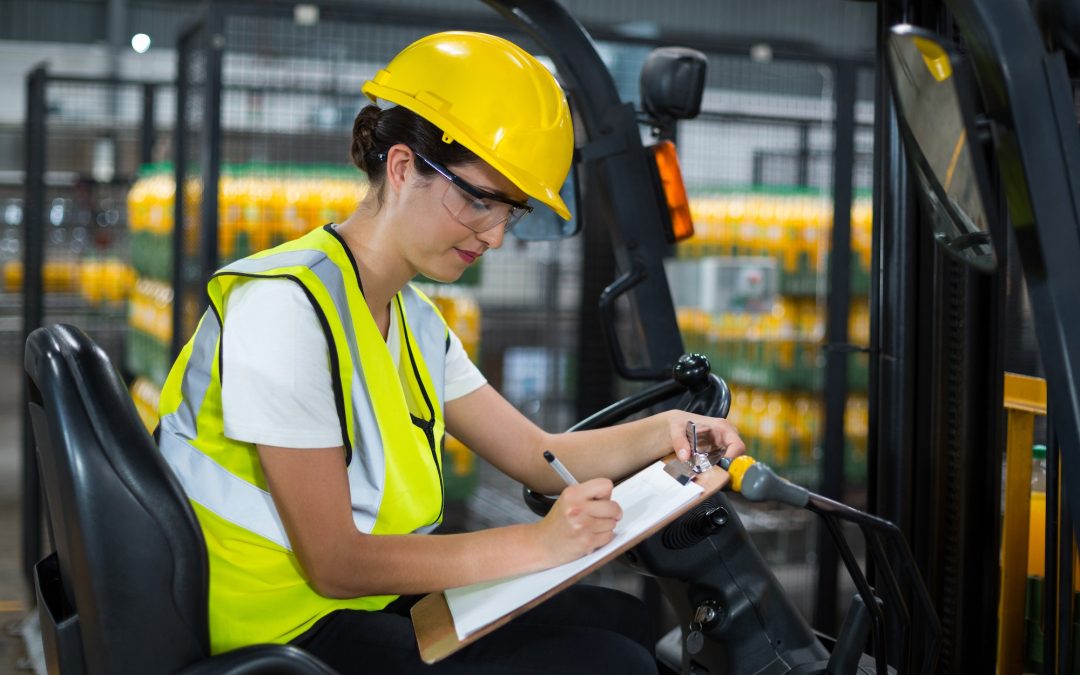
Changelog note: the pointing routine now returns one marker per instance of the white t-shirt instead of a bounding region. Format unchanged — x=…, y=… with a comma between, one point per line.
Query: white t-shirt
x=276, y=387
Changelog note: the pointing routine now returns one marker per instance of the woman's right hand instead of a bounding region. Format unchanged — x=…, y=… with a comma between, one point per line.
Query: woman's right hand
x=582, y=520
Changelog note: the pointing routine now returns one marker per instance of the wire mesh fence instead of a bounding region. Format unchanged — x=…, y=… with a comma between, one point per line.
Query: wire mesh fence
x=95, y=132
x=289, y=93
x=752, y=288
x=65, y=251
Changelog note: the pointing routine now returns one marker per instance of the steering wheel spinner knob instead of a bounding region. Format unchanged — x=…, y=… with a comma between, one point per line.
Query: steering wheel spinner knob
x=692, y=371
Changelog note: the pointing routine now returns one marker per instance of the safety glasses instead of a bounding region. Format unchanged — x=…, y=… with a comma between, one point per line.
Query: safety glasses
x=476, y=208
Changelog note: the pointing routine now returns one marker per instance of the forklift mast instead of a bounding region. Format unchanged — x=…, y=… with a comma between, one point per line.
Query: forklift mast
x=938, y=327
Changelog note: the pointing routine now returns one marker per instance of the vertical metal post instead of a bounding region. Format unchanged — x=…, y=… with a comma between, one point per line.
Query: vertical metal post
x=179, y=141
x=1064, y=624
x=1051, y=574
x=33, y=309
x=893, y=328
x=115, y=25
x=595, y=374
x=893, y=290
x=802, y=167
x=836, y=335
x=149, y=134
x=211, y=150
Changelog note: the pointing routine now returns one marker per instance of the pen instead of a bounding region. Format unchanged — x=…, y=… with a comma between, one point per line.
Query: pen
x=559, y=468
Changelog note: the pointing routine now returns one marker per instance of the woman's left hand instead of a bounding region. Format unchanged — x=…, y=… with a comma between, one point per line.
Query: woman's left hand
x=713, y=433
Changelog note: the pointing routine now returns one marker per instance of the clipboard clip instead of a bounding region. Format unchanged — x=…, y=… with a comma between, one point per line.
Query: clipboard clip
x=680, y=471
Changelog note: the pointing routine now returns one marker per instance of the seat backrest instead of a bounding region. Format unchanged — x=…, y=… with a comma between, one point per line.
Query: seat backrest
x=131, y=555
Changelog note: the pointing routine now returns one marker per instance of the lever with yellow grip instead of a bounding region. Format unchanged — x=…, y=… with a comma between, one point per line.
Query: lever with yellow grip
x=757, y=482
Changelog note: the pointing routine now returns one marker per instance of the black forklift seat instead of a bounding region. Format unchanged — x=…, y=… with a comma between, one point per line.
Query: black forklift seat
x=126, y=589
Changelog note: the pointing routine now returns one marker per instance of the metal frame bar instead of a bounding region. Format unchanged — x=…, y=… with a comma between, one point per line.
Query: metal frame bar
x=211, y=149
x=836, y=337
x=765, y=118
x=893, y=309
x=877, y=533
x=1022, y=404
x=180, y=170
x=1057, y=578
x=33, y=307
x=1062, y=601
x=804, y=148
x=149, y=128
x=35, y=181
x=1038, y=146
x=880, y=643
x=96, y=79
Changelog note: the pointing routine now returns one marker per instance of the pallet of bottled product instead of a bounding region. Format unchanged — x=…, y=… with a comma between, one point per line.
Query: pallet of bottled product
x=102, y=282
x=779, y=349
x=790, y=225
x=146, y=396
x=756, y=350
x=784, y=430
x=462, y=315
x=149, y=330
x=260, y=206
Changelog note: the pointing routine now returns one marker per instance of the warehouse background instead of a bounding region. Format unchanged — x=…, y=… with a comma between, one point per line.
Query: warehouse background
x=749, y=287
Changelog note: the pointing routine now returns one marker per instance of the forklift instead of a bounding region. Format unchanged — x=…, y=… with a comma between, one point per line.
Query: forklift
x=955, y=172
x=928, y=601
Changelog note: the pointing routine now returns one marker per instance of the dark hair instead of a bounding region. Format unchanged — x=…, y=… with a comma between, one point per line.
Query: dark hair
x=375, y=130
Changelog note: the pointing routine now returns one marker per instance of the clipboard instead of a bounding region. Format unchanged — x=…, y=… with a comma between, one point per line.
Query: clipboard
x=433, y=623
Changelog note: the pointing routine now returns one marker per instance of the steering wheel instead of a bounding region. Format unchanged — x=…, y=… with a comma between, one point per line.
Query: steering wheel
x=703, y=392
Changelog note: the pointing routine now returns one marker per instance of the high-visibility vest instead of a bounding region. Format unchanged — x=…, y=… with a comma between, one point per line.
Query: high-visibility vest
x=391, y=416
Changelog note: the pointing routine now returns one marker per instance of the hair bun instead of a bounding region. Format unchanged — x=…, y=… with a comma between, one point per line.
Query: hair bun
x=364, y=135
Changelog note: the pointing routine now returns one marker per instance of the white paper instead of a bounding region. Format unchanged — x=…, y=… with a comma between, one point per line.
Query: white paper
x=646, y=498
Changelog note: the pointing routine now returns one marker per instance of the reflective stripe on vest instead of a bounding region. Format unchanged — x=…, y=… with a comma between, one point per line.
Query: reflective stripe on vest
x=247, y=505
x=203, y=479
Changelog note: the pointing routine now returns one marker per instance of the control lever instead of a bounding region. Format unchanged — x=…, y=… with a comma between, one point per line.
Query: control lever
x=757, y=482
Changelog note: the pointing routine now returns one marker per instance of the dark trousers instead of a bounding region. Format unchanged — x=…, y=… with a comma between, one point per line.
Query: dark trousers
x=584, y=629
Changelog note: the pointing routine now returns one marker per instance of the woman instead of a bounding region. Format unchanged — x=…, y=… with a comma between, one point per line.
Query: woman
x=314, y=467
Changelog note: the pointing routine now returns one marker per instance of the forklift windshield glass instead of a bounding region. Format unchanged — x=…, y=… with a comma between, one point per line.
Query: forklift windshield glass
x=936, y=112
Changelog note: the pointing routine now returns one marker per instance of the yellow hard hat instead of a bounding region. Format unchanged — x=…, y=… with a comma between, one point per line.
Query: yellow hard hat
x=494, y=98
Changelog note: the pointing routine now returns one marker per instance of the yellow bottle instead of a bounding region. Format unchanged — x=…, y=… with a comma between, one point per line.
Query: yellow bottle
x=137, y=206
x=278, y=210
x=1036, y=566
x=260, y=225
x=13, y=276
x=762, y=431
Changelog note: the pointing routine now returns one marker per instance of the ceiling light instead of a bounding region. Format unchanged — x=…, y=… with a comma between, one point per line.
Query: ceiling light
x=140, y=42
